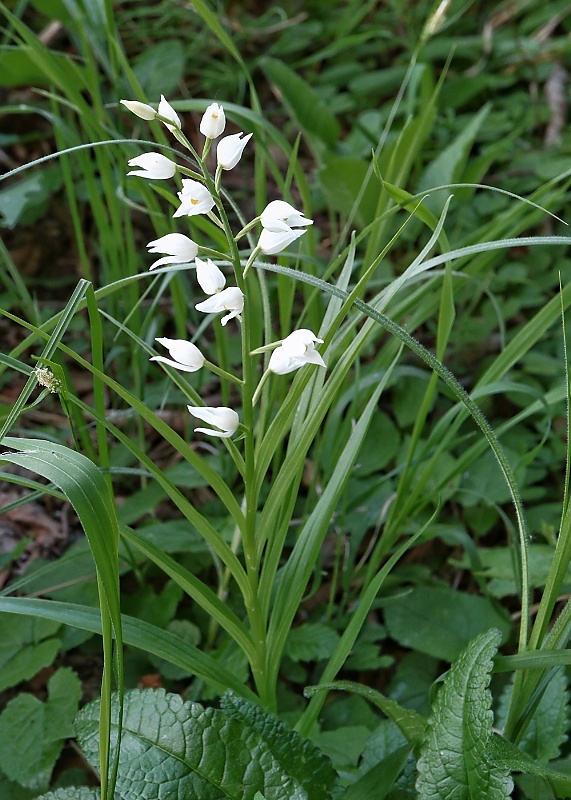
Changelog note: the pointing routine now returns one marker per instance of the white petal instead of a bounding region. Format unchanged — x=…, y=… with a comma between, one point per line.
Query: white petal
x=280, y=362
x=312, y=357
x=210, y=278
x=164, y=261
x=141, y=110
x=223, y=418
x=195, y=199
x=180, y=249
x=213, y=122
x=210, y=306
x=175, y=364
x=230, y=299
x=166, y=110
x=295, y=351
x=183, y=352
x=154, y=166
x=278, y=212
x=301, y=339
x=230, y=149
x=271, y=242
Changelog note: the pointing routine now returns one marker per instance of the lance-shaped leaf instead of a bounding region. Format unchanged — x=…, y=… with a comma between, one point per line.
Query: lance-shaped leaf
x=172, y=748
x=506, y=755
x=453, y=761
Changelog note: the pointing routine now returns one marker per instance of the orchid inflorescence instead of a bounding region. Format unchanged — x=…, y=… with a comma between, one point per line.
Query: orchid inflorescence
x=199, y=194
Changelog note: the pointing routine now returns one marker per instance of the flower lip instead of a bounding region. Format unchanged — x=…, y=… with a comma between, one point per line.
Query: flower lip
x=223, y=418
x=194, y=198
x=279, y=216
x=186, y=356
x=296, y=350
x=230, y=299
x=166, y=110
x=229, y=149
x=213, y=122
x=271, y=242
x=210, y=278
x=153, y=165
x=179, y=249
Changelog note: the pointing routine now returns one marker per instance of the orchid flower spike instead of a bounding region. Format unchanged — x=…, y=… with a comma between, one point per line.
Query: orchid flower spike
x=230, y=148
x=153, y=166
x=226, y=420
x=186, y=356
x=280, y=216
x=213, y=122
x=210, y=278
x=271, y=242
x=194, y=198
x=296, y=350
x=141, y=110
x=166, y=110
x=179, y=249
x=230, y=299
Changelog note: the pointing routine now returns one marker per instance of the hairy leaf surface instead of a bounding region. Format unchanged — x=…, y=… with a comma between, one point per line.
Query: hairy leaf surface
x=453, y=760
x=298, y=756
x=170, y=747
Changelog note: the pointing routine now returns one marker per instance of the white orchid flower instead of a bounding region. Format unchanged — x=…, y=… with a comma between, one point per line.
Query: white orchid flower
x=230, y=148
x=213, y=122
x=179, y=249
x=186, y=356
x=271, y=242
x=210, y=278
x=153, y=166
x=166, y=110
x=141, y=110
x=280, y=216
x=230, y=299
x=296, y=350
x=223, y=418
x=194, y=198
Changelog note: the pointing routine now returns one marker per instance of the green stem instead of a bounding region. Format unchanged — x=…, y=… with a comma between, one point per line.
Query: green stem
x=255, y=616
x=222, y=373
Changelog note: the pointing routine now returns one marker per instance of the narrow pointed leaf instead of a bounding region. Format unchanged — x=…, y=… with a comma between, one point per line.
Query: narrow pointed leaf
x=138, y=633
x=312, y=115
x=378, y=781
x=410, y=723
x=506, y=755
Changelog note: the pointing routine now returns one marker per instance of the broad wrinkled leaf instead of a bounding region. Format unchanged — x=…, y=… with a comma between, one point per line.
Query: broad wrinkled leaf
x=33, y=733
x=191, y=752
x=72, y=793
x=311, y=641
x=342, y=179
x=453, y=761
x=10, y=790
x=26, y=646
x=440, y=621
x=298, y=756
x=160, y=67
